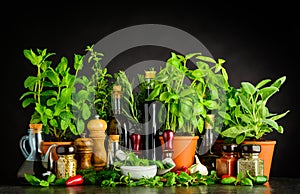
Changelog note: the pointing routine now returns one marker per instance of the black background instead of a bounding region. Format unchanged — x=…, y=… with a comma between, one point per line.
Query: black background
x=257, y=41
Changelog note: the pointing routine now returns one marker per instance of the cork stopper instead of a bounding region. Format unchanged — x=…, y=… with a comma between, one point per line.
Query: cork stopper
x=117, y=88
x=36, y=128
x=114, y=137
x=150, y=74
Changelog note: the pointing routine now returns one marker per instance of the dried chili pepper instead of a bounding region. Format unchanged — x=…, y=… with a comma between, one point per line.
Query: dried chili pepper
x=75, y=180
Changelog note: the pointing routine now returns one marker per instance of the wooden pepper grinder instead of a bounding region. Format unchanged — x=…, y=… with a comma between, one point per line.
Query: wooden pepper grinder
x=84, y=152
x=97, y=129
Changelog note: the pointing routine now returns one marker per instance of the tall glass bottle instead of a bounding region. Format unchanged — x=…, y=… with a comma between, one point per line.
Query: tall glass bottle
x=206, y=152
x=150, y=138
x=118, y=124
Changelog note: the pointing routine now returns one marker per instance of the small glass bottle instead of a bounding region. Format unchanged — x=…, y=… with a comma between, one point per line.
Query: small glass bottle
x=66, y=164
x=227, y=163
x=250, y=161
x=113, y=147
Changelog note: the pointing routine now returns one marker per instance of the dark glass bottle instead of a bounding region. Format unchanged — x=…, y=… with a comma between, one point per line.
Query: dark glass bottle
x=227, y=163
x=206, y=152
x=150, y=137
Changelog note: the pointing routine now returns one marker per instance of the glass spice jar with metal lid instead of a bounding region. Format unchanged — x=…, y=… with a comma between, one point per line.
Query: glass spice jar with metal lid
x=250, y=161
x=227, y=163
x=66, y=164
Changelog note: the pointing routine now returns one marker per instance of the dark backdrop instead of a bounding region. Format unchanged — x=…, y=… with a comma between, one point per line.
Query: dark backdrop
x=257, y=41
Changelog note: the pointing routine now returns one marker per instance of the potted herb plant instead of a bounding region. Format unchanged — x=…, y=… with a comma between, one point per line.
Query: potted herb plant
x=248, y=119
x=49, y=92
x=188, y=94
x=92, y=94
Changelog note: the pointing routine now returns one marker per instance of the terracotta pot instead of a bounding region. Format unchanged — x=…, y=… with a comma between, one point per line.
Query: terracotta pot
x=184, y=150
x=46, y=144
x=267, y=150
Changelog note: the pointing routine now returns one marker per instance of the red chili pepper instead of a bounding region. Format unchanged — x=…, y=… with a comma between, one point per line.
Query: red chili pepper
x=75, y=180
x=183, y=169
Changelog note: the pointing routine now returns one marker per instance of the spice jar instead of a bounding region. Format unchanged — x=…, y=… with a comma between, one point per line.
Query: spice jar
x=250, y=161
x=227, y=163
x=66, y=164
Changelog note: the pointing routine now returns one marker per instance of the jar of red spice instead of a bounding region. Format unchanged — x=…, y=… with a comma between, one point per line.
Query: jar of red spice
x=227, y=163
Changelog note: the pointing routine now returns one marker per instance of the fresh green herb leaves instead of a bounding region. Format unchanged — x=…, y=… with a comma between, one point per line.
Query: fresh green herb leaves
x=33, y=180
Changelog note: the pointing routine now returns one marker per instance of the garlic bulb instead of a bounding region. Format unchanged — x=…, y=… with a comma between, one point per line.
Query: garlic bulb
x=198, y=166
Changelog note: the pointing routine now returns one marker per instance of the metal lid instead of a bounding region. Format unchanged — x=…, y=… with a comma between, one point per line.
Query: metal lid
x=250, y=148
x=65, y=149
x=230, y=148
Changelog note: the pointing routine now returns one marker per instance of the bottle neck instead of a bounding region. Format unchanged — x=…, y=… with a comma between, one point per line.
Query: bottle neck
x=117, y=104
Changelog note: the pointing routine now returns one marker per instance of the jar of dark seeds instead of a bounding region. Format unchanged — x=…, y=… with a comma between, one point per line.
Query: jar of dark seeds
x=250, y=161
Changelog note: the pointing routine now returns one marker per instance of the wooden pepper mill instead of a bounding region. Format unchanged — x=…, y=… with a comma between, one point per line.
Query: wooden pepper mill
x=84, y=152
x=97, y=129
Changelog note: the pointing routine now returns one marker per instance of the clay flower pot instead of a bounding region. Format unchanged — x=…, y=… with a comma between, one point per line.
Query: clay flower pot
x=184, y=150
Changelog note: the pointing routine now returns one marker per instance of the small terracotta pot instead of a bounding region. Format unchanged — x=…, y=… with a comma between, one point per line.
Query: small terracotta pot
x=184, y=150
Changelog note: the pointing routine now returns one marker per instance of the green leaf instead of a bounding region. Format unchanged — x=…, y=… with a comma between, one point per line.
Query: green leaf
x=51, y=178
x=191, y=55
x=276, y=117
x=240, y=138
x=267, y=92
x=248, y=88
x=234, y=131
x=271, y=122
x=86, y=112
x=27, y=102
x=78, y=62
x=154, y=93
x=206, y=59
x=30, y=82
x=32, y=179
x=210, y=104
x=44, y=183
x=279, y=82
x=53, y=76
x=245, y=103
x=262, y=83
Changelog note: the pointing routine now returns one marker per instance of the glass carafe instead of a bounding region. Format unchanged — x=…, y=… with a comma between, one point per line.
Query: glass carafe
x=34, y=163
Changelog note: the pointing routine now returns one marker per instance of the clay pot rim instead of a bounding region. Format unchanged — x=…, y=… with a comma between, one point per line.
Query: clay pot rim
x=260, y=141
